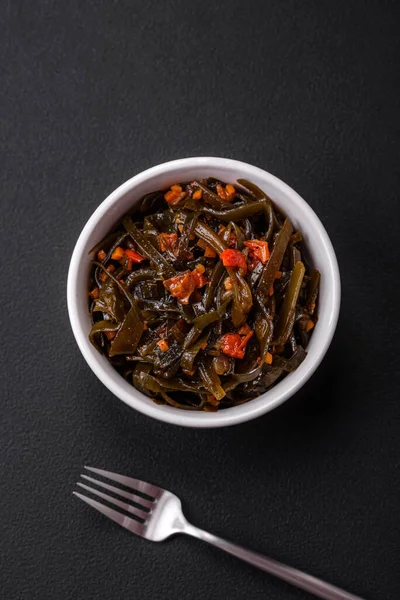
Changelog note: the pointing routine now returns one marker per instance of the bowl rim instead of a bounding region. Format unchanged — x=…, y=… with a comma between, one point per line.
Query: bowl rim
x=234, y=415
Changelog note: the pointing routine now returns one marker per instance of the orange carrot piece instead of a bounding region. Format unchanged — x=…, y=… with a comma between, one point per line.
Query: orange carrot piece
x=268, y=358
x=110, y=268
x=94, y=293
x=118, y=253
x=170, y=196
x=221, y=192
x=202, y=244
x=162, y=344
x=209, y=252
x=310, y=325
x=212, y=400
x=200, y=268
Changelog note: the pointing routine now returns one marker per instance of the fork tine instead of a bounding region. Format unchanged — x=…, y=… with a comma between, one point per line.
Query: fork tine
x=123, y=520
x=128, y=495
x=128, y=507
x=136, y=484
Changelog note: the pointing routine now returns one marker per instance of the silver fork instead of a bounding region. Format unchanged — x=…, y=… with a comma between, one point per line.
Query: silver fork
x=157, y=514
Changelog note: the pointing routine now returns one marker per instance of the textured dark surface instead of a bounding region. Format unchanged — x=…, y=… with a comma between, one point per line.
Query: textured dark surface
x=94, y=92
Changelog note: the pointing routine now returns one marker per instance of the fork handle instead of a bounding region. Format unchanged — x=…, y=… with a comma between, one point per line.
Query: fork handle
x=311, y=584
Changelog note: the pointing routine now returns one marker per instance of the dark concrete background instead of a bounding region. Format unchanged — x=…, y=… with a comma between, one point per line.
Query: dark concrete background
x=94, y=92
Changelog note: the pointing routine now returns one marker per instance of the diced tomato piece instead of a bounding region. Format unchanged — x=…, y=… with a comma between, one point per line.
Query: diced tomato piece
x=260, y=249
x=168, y=241
x=234, y=258
x=134, y=256
x=230, y=345
x=199, y=279
x=233, y=345
x=198, y=276
x=181, y=286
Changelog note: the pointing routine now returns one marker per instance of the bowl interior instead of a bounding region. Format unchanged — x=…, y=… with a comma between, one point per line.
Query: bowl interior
x=108, y=214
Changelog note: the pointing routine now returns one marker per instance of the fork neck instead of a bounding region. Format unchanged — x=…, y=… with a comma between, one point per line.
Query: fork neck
x=200, y=534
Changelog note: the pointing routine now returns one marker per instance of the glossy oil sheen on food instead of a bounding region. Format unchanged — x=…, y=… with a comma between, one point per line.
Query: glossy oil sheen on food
x=201, y=298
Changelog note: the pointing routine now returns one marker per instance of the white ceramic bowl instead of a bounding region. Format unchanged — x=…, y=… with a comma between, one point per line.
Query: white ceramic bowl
x=162, y=176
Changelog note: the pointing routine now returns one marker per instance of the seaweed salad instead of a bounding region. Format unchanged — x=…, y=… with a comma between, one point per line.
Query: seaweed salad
x=202, y=297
